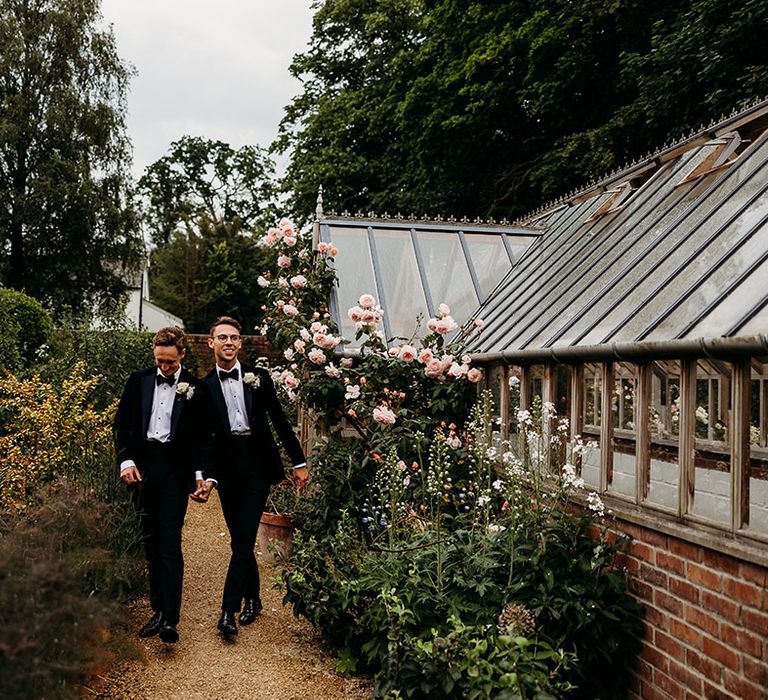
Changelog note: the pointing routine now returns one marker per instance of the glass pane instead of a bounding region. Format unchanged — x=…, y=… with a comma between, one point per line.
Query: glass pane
x=447, y=273
x=663, y=486
x=355, y=272
x=758, y=449
x=403, y=293
x=489, y=259
x=712, y=485
x=621, y=479
x=593, y=397
x=749, y=292
x=519, y=244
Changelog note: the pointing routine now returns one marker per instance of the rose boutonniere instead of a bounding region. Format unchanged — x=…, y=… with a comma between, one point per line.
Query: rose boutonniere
x=185, y=390
x=251, y=380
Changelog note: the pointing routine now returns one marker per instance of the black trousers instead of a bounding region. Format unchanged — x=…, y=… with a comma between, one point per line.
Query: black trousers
x=243, y=491
x=161, y=500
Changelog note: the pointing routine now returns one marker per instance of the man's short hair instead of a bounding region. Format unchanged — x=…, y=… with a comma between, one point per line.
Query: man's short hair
x=169, y=336
x=226, y=321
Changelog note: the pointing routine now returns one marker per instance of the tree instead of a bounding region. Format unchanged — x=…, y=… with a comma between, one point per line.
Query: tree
x=204, y=180
x=202, y=202
x=491, y=108
x=65, y=218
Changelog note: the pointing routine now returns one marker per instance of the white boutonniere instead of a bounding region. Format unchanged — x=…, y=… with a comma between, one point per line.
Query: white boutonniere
x=251, y=380
x=185, y=390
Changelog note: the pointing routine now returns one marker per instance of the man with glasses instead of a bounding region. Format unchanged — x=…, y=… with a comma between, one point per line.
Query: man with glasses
x=162, y=444
x=247, y=462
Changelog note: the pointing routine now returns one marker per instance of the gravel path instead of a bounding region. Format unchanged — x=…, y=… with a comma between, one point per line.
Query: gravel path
x=278, y=657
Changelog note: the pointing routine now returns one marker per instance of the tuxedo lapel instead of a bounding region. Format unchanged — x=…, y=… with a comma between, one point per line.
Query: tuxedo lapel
x=217, y=396
x=147, y=392
x=248, y=397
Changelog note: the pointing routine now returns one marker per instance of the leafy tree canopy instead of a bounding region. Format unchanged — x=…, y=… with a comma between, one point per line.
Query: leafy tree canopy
x=65, y=221
x=490, y=108
x=203, y=202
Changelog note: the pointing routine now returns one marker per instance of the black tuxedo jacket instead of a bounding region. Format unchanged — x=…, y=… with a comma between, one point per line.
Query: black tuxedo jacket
x=262, y=407
x=191, y=423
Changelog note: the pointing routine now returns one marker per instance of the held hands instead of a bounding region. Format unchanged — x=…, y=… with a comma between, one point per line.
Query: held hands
x=130, y=475
x=202, y=491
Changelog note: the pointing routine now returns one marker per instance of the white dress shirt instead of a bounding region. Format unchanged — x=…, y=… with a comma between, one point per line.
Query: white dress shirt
x=234, y=397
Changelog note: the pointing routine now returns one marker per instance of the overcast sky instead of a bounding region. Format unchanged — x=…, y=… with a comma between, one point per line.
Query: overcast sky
x=217, y=70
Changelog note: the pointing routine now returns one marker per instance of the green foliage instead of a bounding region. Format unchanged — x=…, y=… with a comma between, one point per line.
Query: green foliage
x=66, y=222
x=420, y=559
x=35, y=326
x=61, y=576
x=10, y=358
x=488, y=108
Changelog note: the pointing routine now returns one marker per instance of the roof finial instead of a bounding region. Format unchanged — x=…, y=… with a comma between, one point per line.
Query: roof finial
x=319, y=206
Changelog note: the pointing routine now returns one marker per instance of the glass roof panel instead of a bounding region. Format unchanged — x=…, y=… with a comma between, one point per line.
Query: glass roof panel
x=759, y=322
x=447, y=273
x=490, y=260
x=355, y=273
x=672, y=273
x=404, y=298
x=634, y=298
x=744, y=295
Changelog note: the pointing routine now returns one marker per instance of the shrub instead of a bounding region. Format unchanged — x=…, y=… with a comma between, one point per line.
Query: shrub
x=57, y=576
x=33, y=322
x=10, y=358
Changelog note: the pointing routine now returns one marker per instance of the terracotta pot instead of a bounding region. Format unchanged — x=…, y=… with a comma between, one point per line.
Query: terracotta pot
x=275, y=536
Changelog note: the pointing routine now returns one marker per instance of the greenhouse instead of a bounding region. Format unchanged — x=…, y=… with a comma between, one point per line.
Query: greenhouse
x=638, y=308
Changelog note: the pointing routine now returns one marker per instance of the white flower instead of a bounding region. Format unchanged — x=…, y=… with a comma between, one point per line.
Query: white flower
x=185, y=390
x=347, y=362
x=494, y=529
x=498, y=485
x=513, y=381
x=332, y=371
x=479, y=323
x=262, y=281
x=289, y=354
x=290, y=310
x=251, y=380
x=483, y=500
x=384, y=415
x=353, y=392
x=284, y=261
x=595, y=503
x=305, y=336
x=282, y=282
x=453, y=441
x=444, y=310
x=367, y=301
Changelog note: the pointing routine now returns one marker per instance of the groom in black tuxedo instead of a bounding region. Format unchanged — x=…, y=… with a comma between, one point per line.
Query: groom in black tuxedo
x=247, y=462
x=161, y=434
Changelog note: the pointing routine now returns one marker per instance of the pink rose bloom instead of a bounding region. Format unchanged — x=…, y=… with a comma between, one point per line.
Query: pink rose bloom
x=369, y=316
x=262, y=281
x=289, y=379
x=367, y=301
x=434, y=368
x=290, y=310
x=286, y=225
x=299, y=345
x=274, y=232
x=479, y=323
x=323, y=247
x=474, y=375
x=355, y=314
x=298, y=281
x=446, y=361
x=425, y=355
x=316, y=327
x=279, y=303
x=305, y=336
x=383, y=415
x=331, y=371
x=432, y=324
x=466, y=359
x=347, y=362
x=453, y=441
x=317, y=356
x=457, y=370
x=269, y=239
x=446, y=325
x=284, y=261
x=282, y=282
x=288, y=354
x=393, y=352
x=407, y=353
x=444, y=310
x=334, y=251
x=331, y=341
x=290, y=241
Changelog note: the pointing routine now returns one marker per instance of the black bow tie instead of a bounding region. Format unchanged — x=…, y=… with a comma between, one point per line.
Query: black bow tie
x=232, y=374
x=160, y=379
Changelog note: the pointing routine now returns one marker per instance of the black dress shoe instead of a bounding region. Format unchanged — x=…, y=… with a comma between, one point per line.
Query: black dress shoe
x=169, y=634
x=227, y=624
x=153, y=626
x=251, y=610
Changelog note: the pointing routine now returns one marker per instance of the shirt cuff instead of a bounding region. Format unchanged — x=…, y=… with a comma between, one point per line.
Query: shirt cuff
x=127, y=464
x=199, y=477
x=299, y=466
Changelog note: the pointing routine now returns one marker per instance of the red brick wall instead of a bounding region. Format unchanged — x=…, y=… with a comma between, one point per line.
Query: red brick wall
x=706, y=620
x=200, y=358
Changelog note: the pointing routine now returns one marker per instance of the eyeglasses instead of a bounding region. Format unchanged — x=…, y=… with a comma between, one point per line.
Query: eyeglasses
x=224, y=338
